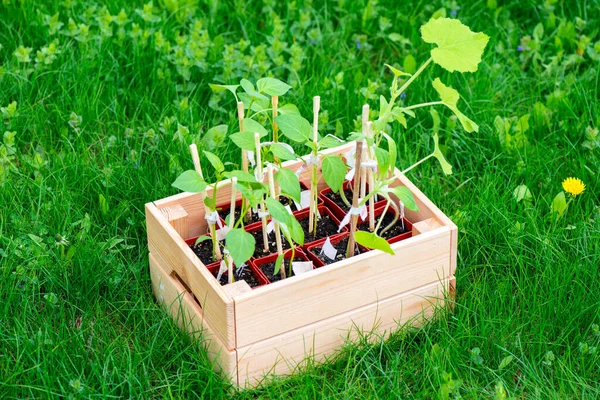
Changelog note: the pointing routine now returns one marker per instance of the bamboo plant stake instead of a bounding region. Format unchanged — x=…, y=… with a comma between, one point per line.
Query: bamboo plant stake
x=354, y=218
x=240, y=113
x=259, y=172
x=275, y=223
x=231, y=225
x=207, y=209
x=312, y=223
x=371, y=179
x=275, y=103
x=363, y=169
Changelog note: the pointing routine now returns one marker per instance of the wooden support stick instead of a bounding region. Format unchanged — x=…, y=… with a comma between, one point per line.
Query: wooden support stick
x=275, y=223
x=275, y=103
x=259, y=172
x=207, y=210
x=363, y=170
x=231, y=225
x=240, y=113
x=312, y=223
x=371, y=179
x=354, y=218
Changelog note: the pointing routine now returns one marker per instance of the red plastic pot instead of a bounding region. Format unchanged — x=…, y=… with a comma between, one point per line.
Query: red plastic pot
x=323, y=210
x=378, y=213
x=256, y=273
x=314, y=250
x=335, y=208
x=298, y=256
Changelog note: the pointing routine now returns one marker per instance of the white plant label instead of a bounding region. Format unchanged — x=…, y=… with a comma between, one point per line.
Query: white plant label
x=328, y=250
x=287, y=207
x=304, y=200
x=300, y=267
x=270, y=227
x=222, y=232
x=222, y=270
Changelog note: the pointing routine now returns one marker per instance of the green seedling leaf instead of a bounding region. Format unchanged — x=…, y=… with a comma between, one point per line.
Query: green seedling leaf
x=296, y=231
x=437, y=153
x=278, y=263
x=405, y=195
x=559, y=204
x=202, y=239
x=214, y=137
x=450, y=98
x=254, y=196
x=250, y=91
x=241, y=176
x=392, y=151
x=437, y=122
x=459, y=49
x=334, y=172
x=272, y=86
x=252, y=126
x=397, y=72
x=383, y=158
x=190, y=181
x=383, y=104
x=244, y=140
x=240, y=245
x=215, y=161
x=210, y=203
x=521, y=193
x=289, y=183
x=398, y=115
x=410, y=64
x=372, y=241
x=217, y=88
x=329, y=141
x=294, y=127
x=282, y=152
x=287, y=109
x=278, y=212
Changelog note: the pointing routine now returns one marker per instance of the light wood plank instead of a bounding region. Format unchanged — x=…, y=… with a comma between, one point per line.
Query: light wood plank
x=188, y=315
x=426, y=225
x=341, y=287
x=283, y=353
x=171, y=252
x=178, y=219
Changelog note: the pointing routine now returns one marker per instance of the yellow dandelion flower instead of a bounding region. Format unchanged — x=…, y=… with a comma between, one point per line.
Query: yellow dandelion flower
x=574, y=186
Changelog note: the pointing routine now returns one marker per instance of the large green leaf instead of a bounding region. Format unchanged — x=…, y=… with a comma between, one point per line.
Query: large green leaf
x=219, y=88
x=372, y=241
x=288, y=109
x=278, y=211
x=240, y=245
x=214, y=137
x=459, y=49
x=244, y=140
x=215, y=161
x=294, y=127
x=289, y=183
x=249, y=89
x=334, y=172
x=250, y=125
x=406, y=197
x=272, y=86
x=282, y=152
x=450, y=98
x=242, y=176
x=190, y=181
x=437, y=153
x=296, y=231
x=330, y=141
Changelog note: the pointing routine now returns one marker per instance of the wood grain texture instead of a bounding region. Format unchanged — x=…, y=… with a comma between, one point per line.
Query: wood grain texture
x=338, y=288
x=426, y=225
x=283, y=353
x=171, y=252
x=178, y=218
x=188, y=315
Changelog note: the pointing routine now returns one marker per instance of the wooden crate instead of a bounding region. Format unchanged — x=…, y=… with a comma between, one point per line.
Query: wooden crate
x=274, y=328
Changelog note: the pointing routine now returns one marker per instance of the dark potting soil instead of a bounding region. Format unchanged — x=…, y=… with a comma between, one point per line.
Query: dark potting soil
x=268, y=269
x=337, y=199
x=259, y=249
x=326, y=226
x=394, y=231
x=341, y=252
x=253, y=216
x=204, y=251
x=246, y=274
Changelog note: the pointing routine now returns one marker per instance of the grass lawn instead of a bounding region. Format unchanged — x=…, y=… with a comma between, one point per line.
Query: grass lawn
x=108, y=100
